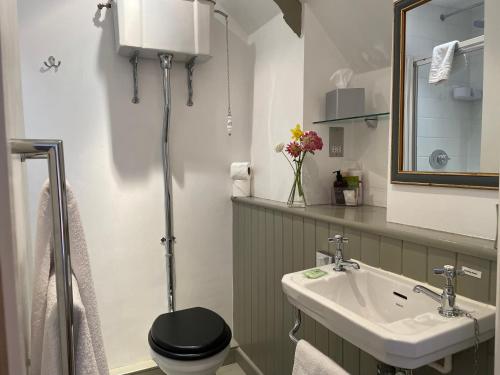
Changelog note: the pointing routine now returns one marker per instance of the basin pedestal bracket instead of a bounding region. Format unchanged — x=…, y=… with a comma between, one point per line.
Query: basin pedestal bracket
x=134, y=60
x=296, y=326
x=189, y=68
x=443, y=368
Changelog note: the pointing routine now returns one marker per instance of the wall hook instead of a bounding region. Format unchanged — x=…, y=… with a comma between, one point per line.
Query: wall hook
x=102, y=5
x=51, y=63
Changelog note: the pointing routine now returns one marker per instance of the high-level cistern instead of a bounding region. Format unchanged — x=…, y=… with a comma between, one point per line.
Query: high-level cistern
x=447, y=297
x=340, y=263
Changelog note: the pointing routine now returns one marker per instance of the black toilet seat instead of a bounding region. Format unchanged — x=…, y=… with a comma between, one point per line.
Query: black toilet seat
x=190, y=334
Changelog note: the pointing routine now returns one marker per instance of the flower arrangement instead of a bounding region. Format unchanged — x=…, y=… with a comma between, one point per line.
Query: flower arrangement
x=302, y=143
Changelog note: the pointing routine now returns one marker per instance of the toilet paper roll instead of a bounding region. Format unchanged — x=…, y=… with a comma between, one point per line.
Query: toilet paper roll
x=241, y=188
x=241, y=171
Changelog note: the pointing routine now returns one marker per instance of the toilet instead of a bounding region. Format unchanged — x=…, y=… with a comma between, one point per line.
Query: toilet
x=194, y=341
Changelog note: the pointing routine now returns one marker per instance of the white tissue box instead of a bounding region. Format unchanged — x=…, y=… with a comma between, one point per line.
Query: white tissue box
x=342, y=103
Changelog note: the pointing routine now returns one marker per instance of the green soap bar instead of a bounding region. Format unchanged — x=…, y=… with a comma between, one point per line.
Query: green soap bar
x=314, y=274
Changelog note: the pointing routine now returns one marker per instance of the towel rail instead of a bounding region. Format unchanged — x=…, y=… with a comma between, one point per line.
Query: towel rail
x=296, y=326
x=52, y=150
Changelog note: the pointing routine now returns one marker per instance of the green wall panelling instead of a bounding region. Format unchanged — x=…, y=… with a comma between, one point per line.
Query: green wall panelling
x=309, y=262
x=493, y=283
x=353, y=248
x=350, y=357
x=270, y=291
x=322, y=340
x=335, y=349
x=370, y=249
x=415, y=261
x=279, y=333
x=269, y=243
x=391, y=254
x=472, y=287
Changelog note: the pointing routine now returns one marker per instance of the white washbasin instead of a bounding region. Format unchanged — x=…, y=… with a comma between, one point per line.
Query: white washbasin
x=378, y=312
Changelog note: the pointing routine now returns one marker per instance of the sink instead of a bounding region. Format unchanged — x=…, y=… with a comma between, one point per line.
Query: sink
x=378, y=312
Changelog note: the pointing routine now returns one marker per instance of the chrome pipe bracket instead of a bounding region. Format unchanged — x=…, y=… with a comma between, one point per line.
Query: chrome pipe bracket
x=189, y=68
x=296, y=327
x=134, y=60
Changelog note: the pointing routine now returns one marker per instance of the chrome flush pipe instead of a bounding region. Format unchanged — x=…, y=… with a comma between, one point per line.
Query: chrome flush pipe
x=169, y=239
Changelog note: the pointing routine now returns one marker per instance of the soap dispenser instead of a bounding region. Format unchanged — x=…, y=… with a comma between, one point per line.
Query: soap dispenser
x=338, y=189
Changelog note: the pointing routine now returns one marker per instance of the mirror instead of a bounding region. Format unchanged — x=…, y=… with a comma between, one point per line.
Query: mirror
x=439, y=137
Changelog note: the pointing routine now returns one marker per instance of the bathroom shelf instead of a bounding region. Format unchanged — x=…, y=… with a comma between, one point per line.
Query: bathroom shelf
x=370, y=119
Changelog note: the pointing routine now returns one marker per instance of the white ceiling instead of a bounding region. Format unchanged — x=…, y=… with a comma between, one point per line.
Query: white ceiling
x=361, y=30
x=250, y=14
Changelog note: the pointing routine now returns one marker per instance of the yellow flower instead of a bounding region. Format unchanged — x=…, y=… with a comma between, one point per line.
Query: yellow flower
x=297, y=132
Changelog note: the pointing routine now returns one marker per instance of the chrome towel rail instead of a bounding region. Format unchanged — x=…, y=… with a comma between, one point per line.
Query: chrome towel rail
x=52, y=150
x=296, y=326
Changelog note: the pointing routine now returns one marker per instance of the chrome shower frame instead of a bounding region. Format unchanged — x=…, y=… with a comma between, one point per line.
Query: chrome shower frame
x=169, y=240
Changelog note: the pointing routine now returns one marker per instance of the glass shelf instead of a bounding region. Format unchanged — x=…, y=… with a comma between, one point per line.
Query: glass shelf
x=368, y=117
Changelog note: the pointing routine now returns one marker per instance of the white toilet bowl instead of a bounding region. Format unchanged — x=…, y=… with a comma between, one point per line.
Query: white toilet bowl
x=207, y=366
x=194, y=341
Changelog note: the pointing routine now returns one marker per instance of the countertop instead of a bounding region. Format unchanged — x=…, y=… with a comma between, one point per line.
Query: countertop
x=374, y=220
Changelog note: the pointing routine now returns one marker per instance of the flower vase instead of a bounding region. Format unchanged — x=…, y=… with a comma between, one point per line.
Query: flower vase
x=297, y=199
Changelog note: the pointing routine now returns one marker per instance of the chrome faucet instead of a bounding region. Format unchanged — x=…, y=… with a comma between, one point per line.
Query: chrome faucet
x=340, y=262
x=448, y=296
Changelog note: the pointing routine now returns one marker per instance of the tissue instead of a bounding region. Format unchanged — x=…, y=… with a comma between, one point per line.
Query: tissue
x=241, y=174
x=240, y=171
x=241, y=188
x=341, y=78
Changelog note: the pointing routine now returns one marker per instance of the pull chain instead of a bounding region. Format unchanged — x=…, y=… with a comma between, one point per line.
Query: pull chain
x=229, y=115
x=476, y=340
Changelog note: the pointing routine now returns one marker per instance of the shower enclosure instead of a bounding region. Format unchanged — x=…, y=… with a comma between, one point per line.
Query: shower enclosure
x=446, y=118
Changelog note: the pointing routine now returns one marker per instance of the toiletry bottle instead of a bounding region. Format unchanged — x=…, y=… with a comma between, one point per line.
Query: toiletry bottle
x=338, y=189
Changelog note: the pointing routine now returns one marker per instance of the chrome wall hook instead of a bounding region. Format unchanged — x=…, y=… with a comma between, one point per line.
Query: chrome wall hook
x=100, y=6
x=51, y=63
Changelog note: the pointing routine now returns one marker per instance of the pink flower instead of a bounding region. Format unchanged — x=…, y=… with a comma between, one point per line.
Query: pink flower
x=311, y=141
x=294, y=149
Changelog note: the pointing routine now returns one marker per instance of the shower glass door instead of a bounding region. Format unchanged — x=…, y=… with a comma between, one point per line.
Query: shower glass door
x=447, y=117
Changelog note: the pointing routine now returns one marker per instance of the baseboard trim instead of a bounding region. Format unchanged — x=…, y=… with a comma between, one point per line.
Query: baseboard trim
x=246, y=364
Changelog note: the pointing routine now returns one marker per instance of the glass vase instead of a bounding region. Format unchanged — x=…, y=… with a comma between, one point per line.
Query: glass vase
x=297, y=198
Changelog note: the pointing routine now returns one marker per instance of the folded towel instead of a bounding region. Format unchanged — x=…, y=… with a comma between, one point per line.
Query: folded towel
x=310, y=361
x=442, y=61
x=90, y=357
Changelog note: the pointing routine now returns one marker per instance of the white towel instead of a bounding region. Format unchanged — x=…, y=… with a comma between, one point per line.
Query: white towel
x=310, y=361
x=90, y=357
x=442, y=61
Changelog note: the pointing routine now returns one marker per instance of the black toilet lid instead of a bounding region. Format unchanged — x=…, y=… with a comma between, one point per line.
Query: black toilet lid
x=189, y=334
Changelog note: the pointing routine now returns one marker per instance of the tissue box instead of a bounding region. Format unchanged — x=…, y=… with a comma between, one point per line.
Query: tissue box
x=342, y=103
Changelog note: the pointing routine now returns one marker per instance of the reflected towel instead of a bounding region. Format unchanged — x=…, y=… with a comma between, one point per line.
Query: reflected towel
x=90, y=357
x=442, y=61
x=310, y=361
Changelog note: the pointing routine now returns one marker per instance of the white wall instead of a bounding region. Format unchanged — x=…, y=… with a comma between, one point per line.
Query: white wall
x=113, y=160
x=463, y=211
x=278, y=105
x=364, y=147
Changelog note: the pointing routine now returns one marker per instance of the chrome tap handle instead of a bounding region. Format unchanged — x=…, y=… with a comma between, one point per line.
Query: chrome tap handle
x=449, y=272
x=339, y=241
